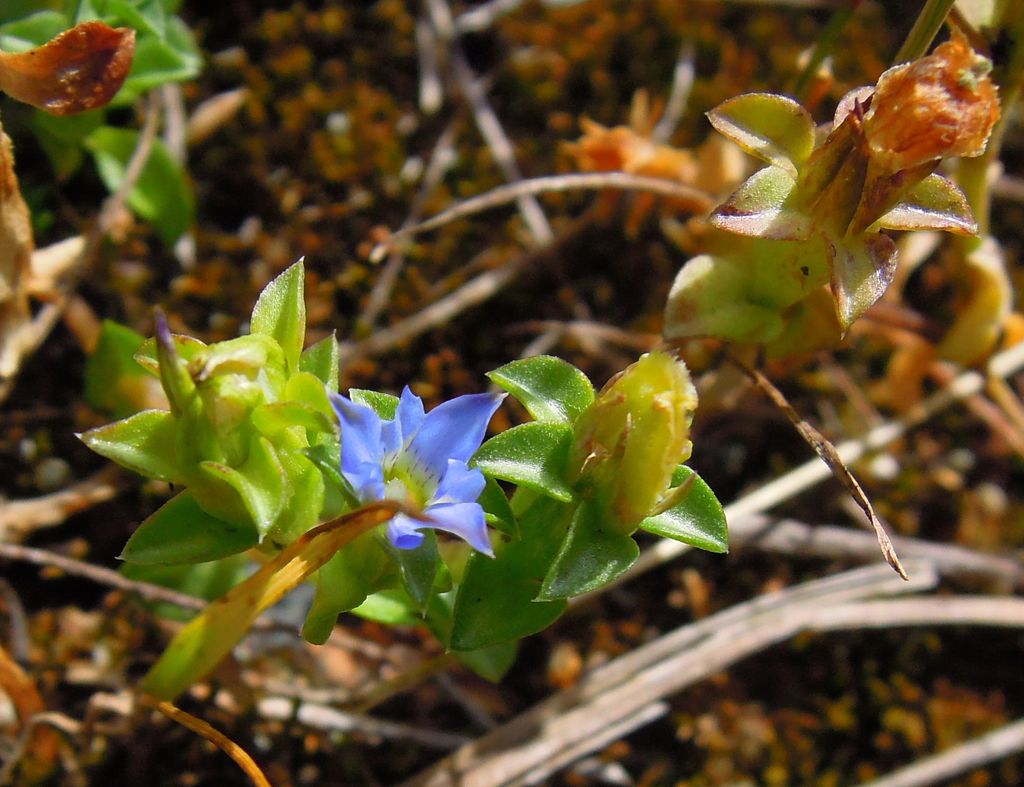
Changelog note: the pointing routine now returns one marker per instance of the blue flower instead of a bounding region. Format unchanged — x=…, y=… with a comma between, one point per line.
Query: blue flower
x=419, y=459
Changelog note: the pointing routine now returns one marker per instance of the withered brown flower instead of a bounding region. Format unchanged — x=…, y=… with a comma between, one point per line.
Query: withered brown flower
x=939, y=106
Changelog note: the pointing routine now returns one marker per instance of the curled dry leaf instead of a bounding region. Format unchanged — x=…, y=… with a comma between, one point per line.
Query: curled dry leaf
x=938, y=106
x=80, y=69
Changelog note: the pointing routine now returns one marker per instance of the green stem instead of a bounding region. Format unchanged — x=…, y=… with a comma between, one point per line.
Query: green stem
x=208, y=637
x=826, y=43
x=928, y=23
x=972, y=173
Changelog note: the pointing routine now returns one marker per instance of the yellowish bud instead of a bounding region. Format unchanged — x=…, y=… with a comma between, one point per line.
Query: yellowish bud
x=631, y=439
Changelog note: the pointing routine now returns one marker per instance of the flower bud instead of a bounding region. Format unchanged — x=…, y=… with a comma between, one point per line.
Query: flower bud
x=939, y=106
x=630, y=440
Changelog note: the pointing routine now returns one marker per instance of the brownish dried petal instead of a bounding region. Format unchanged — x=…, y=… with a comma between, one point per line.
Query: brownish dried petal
x=939, y=106
x=15, y=252
x=80, y=69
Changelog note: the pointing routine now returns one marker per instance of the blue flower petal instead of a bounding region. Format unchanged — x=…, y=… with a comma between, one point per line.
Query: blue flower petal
x=452, y=430
x=465, y=520
x=361, y=449
x=461, y=484
x=403, y=531
x=409, y=414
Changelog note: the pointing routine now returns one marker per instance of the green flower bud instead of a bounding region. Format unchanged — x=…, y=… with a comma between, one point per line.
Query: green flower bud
x=631, y=439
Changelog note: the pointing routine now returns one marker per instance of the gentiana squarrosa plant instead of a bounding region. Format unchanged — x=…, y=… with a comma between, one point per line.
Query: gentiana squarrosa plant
x=395, y=512
x=802, y=253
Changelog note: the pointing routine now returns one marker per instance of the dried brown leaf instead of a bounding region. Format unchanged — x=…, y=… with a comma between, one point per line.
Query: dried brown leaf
x=80, y=69
x=15, y=254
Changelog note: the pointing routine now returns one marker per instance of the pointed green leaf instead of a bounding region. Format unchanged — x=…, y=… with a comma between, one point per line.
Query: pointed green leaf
x=862, y=270
x=774, y=128
x=549, y=388
x=532, y=455
x=321, y=360
x=280, y=312
x=259, y=482
x=392, y=607
x=496, y=602
x=757, y=208
x=343, y=583
x=385, y=405
x=698, y=520
x=144, y=442
x=182, y=532
x=272, y=419
x=936, y=203
x=594, y=552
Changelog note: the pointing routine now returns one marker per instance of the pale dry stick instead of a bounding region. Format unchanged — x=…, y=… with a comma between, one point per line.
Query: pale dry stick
x=517, y=754
x=678, y=96
x=533, y=740
x=50, y=314
x=815, y=471
x=603, y=332
x=790, y=537
x=486, y=119
x=580, y=181
x=431, y=94
x=20, y=518
x=324, y=717
x=440, y=160
x=484, y=16
x=103, y=576
x=975, y=753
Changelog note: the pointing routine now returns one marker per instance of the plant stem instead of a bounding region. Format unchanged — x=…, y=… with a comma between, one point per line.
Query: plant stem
x=925, y=27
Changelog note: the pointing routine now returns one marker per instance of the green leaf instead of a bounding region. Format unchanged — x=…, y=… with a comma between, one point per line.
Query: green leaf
x=391, y=607
x=774, y=128
x=496, y=602
x=419, y=568
x=276, y=417
x=280, y=313
x=114, y=382
x=532, y=455
x=593, y=554
x=144, y=443
x=186, y=347
x=260, y=482
x=497, y=509
x=305, y=491
x=321, y=360
x=182, y=532
x=385, y=405
x=491, y=663
x=757, y=208
x=698, y=520
x=863, y=267
x=175, y=58
x=936, y=203
x=62, y=138
x=147, y=17
x=209, y=580
x=344, y=582
x=161, y=195
x=549, y=388
x=28, y=32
